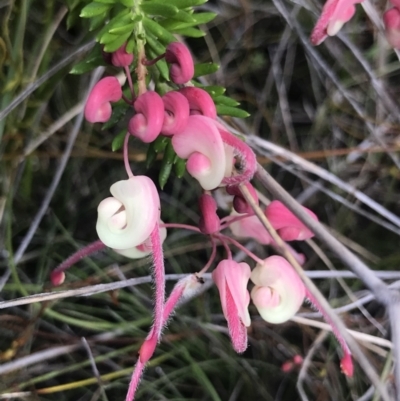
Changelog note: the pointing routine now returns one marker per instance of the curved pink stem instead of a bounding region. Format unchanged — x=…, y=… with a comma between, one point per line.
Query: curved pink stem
x=57, y=276
x=248, y=161
x=130, y=83
x=212, y=257
x=126, y=157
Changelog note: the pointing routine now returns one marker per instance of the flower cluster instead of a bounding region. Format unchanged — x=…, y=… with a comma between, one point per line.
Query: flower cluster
x=336, y=13
x=129, y=222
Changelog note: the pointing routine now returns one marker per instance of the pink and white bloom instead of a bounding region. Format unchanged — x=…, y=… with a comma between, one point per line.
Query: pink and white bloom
x=201, y=143
x=231, y=279
x=182, y=67
x=289, y=227
x=333, y=16
x=98, y=108
x=200, y=102
x=391, y=19
x=128, y=218
x=176, y=114
x=146, y=124
x=278, y=292
x=120, y=58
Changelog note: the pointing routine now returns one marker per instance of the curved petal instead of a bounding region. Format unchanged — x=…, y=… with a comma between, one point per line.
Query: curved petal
x=120, y=58
x=202, y=145
x=200, y=102
x=283, y=282
x=98, y=107
x=146, y=124
x=182, y=68
x=176, y=113
x=137, y=201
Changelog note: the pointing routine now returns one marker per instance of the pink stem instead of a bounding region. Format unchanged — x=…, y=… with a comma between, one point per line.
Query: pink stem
x=241, y=247
x=346, y=351
x=184, y=226
x=247, y=159
x=126, y=157
x=228, y=220
x=130, y=102
x=212, y=257
x=135, y=380
x=129, y=78
x=57, y=275
x=152, y=62
x=222, y=238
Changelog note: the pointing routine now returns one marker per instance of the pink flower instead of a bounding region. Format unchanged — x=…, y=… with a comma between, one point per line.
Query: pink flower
x=182, y=68
x=209, y=222
x=289, y=227
x=146, y=124
x=239, y=203
x=201, y=143
x=278, y=292
x=231, y=279
x=128, y=218
x=391, y=19
x=334, y=14
x=98, y=107
x=200, y=102
x=120, y=58
x=176, y=114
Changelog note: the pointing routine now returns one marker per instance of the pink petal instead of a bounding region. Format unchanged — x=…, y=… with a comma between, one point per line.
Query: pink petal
x=176, y=113
x=209, y=222
x=120, y=58
x=98, y=107
x=147, y=123
x=200, y=102
x=391, y=19
x=182, y=68
x=202, y=145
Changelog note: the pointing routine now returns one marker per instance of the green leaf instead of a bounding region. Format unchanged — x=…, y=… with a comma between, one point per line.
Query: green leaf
x=106, y=1
x=166, y=164
x=205, y=69
x=151, y=155
x=161, y=65
x=117, y=43
x=94, y=9
x=187, y=3
x=179, y=167
x=97, y=21
x=161, y=9
x=118, y=141
x=213, y=90
x=127, y=3
x=190, y=32
x=160, y=34
x=118, y=111
x=184, y=17
x=122, y=18
x=131, y=44
x=87, y=65
x=226, y=101
x=231, y=111
x=72, y=18
x=122, y=29
x=160, y=143
x=204, y=18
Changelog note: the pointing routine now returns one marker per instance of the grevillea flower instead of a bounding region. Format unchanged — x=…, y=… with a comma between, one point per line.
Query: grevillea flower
x=176, y=113
x=278, y=292
x=146, y=124
x=239, y=203
x=128, y=218
x=209, y=222
x=98, y=107
x=201, y=143
x=334, y=15
x=182, y=68
x=142, y=250
x=120, y=58
x=231, y=279
x=289, y=227
x=391, y=19
x=200, y=102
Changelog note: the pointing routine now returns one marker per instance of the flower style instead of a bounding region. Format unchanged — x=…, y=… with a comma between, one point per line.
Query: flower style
x=176, y=113
x=289, y=227
x=278, y=292
x=120, y=58
x=209, y=222
x=182, y=67
x=200, y=102
x=98, y=107
x=128, y=218
x=334, y=15
x=231, y=279
x=391, y=19
x=201, y=143
x=146, y=124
